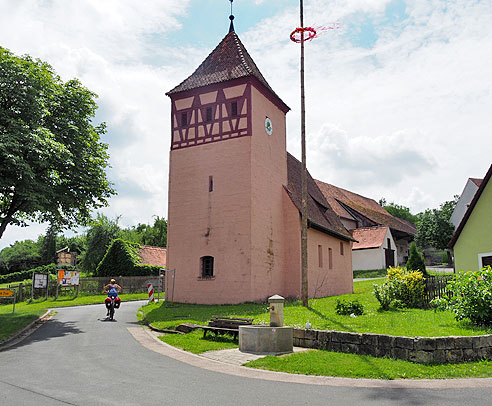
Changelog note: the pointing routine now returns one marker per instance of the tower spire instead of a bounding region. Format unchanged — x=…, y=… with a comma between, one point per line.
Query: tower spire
x=231, y=17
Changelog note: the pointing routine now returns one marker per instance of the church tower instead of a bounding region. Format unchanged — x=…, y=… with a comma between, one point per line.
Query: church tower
x=228, y=169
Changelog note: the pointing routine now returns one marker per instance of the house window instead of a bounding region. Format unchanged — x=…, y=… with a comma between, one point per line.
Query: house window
x=234, y=109
x=184, y=119
x=207, y=265
x=210, y=183
x=330, y=258
x=320, y=256
x=341, y=248
x=487, y=261
x=388, y=243
x=208, y=117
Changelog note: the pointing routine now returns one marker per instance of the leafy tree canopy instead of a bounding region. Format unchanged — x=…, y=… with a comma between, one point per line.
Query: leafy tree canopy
x=398, y=210
x=21, y=256
x=99, y=237
x=434, y=228
x=53, y=162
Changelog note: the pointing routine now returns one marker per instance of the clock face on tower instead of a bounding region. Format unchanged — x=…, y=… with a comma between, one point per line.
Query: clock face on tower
x=268, y=126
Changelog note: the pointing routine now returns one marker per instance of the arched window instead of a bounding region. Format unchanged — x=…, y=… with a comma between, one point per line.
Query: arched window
x=207, y=265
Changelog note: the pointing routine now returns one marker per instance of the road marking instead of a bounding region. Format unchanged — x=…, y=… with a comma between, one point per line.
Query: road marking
x=149, y=339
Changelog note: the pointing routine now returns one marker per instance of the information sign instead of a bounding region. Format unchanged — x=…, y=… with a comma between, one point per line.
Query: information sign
x=40, y=281
x=68, y=278
x=6, y=293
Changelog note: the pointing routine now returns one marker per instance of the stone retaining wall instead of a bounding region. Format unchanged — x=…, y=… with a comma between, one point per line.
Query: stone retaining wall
x=414, y=349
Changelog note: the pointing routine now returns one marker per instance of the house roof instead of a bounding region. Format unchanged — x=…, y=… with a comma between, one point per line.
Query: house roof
x=320, y=215
x=153, y=255
x=472, y=205
x=342, y=201
x=476, y=181
x=369, y=237
x=229, y=60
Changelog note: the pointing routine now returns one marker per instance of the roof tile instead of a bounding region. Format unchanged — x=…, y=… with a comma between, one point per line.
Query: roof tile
x=319, y=211
x=368, y=208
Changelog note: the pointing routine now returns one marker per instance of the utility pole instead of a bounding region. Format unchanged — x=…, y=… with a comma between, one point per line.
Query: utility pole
x=304, y=213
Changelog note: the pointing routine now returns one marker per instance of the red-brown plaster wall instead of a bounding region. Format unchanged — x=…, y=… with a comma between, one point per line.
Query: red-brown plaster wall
x=322, y=280
x=203, y=223
x=268, y=174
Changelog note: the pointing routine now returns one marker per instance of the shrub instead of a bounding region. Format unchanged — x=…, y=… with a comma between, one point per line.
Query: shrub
x=416, y=260
x=469, y=296
x=350, y=307
x=403, y=288
x=122, y=259
x=383, y=294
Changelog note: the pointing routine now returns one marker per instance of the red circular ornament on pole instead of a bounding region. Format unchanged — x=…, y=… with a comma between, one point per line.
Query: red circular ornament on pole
x=309, y=34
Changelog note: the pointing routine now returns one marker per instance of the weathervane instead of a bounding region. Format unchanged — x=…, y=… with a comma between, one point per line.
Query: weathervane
x=231, y=17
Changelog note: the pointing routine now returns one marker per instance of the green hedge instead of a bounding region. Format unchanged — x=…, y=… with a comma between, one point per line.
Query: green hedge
x=20, y=276
x=122, y=259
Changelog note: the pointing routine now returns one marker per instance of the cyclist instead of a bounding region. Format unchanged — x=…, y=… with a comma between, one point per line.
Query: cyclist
x=112, y=289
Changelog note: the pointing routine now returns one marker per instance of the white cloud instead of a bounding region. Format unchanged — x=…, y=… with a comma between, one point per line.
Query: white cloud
x=407, y=118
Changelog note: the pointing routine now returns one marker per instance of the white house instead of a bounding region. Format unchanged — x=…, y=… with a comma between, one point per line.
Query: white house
x=464, y=201
x=374, y=249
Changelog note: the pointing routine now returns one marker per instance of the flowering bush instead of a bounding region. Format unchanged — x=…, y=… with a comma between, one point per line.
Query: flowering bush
x=402, y=288
x=469, y=296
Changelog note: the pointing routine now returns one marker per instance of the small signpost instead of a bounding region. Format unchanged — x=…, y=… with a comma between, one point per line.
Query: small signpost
x=39, y=281
x=67, y=279
x=8, y=294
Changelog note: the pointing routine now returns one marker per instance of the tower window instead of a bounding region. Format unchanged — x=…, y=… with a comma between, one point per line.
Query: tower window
x=210, y=183
x=341, y=248
x=207, y=265
x=234, y=109
x=330, y=258
x=320, y=256
x=184, y=119
x=208, y=116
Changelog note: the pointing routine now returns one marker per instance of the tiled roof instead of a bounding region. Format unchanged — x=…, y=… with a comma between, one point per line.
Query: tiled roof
x=229, y=60
x=153, y=255
x=368, y=237
x=472, y=205
x=369, y=208
x=320, y=214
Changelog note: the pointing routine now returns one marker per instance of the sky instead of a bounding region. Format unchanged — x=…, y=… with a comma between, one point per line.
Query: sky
x=398, y=98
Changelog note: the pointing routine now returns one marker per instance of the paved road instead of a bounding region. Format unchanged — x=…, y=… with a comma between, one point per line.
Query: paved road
x=77, y=359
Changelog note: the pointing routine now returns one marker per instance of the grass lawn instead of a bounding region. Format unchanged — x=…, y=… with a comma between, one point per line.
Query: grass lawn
x=371, y=273
x=321, y=314
x=326, y=363
x=194, y=342
x=25, y=312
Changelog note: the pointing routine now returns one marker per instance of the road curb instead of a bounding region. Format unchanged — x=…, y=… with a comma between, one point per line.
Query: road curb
x=26, y=331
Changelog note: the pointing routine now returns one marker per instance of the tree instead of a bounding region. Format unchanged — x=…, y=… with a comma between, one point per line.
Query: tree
x=155, y=235
x=397, y=210
x=99, y=237
x=53, y=162
x=21, y=256
x=415, y=261
x=48, y=247
x=434, y=228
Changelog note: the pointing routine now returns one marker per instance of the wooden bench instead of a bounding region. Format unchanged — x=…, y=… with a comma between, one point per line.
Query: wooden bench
x=226, y=325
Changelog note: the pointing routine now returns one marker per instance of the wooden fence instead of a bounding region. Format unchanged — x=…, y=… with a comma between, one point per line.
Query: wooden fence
x=93, y=286
x=435, y=287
